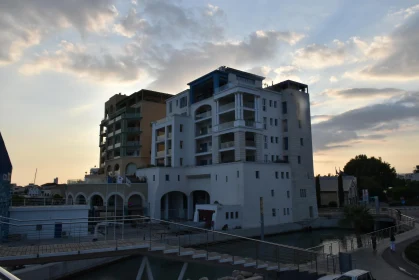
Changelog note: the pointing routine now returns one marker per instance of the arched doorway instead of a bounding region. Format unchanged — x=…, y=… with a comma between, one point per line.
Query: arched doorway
x=96, y=200
x=130, y=169
x=80, y=199
x=200, y=197
x=115, y=205
x=70, y=199
x=174, y=206
x=135, y=205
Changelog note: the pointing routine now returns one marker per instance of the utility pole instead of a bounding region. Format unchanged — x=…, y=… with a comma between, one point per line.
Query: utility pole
x=34, y=180
x=262, y=233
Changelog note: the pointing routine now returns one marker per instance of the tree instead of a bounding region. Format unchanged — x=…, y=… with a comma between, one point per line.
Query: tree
x=376, y=168
x=341, y=194
x=358, y=217
x=318, y=196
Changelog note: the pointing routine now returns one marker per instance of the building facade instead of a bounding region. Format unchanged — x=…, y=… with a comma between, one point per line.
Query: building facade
x=226, y=122
x=5, y=189
x=125, y=132
x=329, y=190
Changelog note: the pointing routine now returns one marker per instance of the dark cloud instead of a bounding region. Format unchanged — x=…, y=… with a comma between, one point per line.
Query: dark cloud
x=365, y=123
x=23, y=23
x=363, y=92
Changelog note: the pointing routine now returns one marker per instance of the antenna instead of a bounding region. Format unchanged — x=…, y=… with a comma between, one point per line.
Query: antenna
x=34, y=180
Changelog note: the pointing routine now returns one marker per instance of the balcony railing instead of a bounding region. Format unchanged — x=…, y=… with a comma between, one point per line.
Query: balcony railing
x=203, y=131
x=160, y=154
x=203, y=150
x=250, y=123
x=169, y=152
x=250, y=143
x=232, y=85
x=133, y=129
x=132, y=143
x=226, y=107
x=251, y=158
x=133, y=153
x=226, y=145
x=226, y=125
x=161, y=137
x=250, y=105
x=203, y=115
x=132, y=115
x=169, y=135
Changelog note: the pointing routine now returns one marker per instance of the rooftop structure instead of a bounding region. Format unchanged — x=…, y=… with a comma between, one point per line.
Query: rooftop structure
x=125, y=132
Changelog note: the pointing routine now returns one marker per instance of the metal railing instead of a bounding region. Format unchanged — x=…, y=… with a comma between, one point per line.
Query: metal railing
x=161, y=137
x=225, y=125
x=250, y=105
x=41, y=201
x=203, y=115
x=226, y=107
x=225, y=145
x=5, y=275
x=35, y=239
x=250, y=143
x=161, y=154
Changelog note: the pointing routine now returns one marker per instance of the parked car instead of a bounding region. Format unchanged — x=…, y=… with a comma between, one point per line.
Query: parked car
x=356, y=274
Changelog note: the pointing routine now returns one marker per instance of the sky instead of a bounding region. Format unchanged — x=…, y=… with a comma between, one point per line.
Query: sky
x=61, y=60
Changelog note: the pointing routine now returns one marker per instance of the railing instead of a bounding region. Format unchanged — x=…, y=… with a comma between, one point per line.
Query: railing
x=226, y=107
x=203, y=115
x=250, y=105
x=226, y=145
x=34, y=239
x=160, y=154
x=161, y=137
x=204, y=150
x=169, y=152
x=203, y=131
x=37, y=201
x=250, y=143
x=133, y=129
x=250, y=123
x=132, y=115
x=226, y=125
x=132, y=143
x=231, y=85
x=5, y=275
x=75, y=181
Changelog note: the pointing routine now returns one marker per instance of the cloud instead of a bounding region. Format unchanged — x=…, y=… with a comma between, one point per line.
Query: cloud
x=408, y=12
x=333, y=79
x=320, y=56
x=81, y=109
x=380, y=47
x=130, y=24
x=25, y=23
x=366, y=123
x=75, y=59
x=402, y=61
x=363, y=92
x=313, y=79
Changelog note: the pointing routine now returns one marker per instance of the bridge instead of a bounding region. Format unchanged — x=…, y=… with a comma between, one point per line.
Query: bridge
x=41, y=241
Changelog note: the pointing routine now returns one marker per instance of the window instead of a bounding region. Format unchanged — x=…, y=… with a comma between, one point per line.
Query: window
x=285, y=125
x=177, y=102
x=226, y=215
x=167, y=177
x=310, y=209
x=270, y=103
x=183, y=102
x=276, y=122
x=216, y=177
x=285, y=211
x=271, y=121
x=277, y=158
x=237, y=215
x=303, y=193
x=285, y=144
x=170, y=106
x=181, y=161
x=272, y=158
x=266, y=158
x=257, y=174
x=287, y=174
x=266, y=141
x=264, y=104
x=276, y=140
x=284, y=107
x=299, y=159
x=272, y=139
x=273, y=212
x=226, y=178
x=288, y=211
x=265, y=121
x=181, y=128
x=274, y=104
x=181, y=144
x=301, y=142
x=286, y=158
x=231, y=215
x=272, y=193
x=178, y=177
x=154, y=177
x=282, y=174
x=299, y=124
x=238, y=174
x=276, y=175
x=288, y=194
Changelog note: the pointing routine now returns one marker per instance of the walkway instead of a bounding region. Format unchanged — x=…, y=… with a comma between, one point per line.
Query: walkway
x=396, y=260
x=376, y=263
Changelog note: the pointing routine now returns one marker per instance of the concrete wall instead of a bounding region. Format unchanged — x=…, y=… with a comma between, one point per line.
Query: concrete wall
x=72, y=217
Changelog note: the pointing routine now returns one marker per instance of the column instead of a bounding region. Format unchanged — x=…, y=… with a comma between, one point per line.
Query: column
x=217, y=104
x=166, y=206
x=236, y=106
x=190, y=207
x=241, y=116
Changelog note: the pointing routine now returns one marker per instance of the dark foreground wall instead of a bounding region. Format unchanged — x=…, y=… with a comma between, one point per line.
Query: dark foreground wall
x=5, y=178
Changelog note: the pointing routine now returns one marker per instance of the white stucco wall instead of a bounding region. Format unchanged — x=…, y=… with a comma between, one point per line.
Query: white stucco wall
x=72, y=217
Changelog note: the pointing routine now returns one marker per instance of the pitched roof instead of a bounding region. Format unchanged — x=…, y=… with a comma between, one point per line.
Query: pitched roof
x=5, y=163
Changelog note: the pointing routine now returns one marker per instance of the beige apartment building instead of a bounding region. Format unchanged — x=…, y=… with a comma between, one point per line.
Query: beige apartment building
x=125, y=131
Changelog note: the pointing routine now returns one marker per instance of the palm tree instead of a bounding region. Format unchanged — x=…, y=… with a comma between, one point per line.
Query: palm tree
x=357, y=216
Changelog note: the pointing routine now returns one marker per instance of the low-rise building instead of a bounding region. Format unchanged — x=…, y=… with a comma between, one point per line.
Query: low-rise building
x=329, y=190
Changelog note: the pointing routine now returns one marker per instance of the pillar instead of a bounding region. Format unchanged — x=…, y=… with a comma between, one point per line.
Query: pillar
x=190, y=207
x=241, y=116
x=166, y=206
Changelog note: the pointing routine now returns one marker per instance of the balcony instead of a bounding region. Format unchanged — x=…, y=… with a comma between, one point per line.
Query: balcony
x=117, y=145
x=118, y=118
x=203, y=131
x=169, y=152
x=103, y=153
x=249, y=105
x=232, y=85
x=161, y=138
x=160, y=154
x=132, y=143
x=103, y=132
x=226, y=107
x=226, y=145
x=203, y=115
x=226, y=125
x=250, y=143
x=117, y=131
x=110, y=147
x=110, y=133
x=132, y=116
x=169, y=135
x=132, y=153
x=250, y=123
x=132, y=129
x=251, y=158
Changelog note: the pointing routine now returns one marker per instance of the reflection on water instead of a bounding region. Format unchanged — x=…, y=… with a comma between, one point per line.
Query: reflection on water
x=164, y=269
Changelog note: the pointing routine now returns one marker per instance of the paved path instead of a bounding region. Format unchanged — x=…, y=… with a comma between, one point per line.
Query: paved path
x=376, y=263
x=395, y=259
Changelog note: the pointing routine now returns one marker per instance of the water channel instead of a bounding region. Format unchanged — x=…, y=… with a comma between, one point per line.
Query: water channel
x=162, y=269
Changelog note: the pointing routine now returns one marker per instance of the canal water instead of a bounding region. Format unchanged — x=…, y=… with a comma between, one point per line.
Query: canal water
x=127, y=269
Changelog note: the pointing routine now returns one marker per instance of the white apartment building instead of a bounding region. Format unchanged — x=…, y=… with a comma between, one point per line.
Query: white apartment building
x=228, y=140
